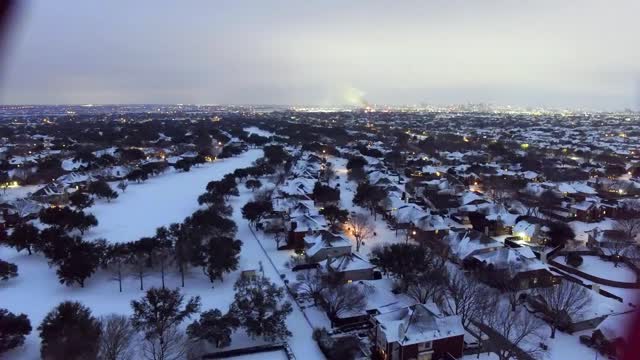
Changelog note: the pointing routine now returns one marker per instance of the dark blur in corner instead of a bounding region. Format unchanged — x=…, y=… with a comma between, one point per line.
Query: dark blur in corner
x=7, y=11
x=7, y=17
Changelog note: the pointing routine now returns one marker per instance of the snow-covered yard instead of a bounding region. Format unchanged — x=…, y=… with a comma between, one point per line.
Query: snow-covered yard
x=157, y=202
x=566, y=346
x=383, y=234
x=595, y=266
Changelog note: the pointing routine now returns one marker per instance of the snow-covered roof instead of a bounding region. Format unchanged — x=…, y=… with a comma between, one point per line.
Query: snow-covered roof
x=303, y=207
x=298, y=186
x=344, y=263
x=73, y=178
x=309, y=223
x=470, y=196
x=524, y=227
x=467, y=242
x=409, y=213
x=71, y=164
x=575, y=188
x=324, y=239
x=516, y=259
x=417, y=324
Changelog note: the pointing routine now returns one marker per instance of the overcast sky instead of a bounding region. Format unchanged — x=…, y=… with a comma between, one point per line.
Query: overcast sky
x=582, y=53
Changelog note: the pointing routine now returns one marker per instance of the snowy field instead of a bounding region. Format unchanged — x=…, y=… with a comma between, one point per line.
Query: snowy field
x=159, y=201
x=258, y=131
x=595, y=266
x=167, y=199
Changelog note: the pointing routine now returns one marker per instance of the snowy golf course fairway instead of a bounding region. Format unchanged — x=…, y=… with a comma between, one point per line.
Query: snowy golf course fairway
x=159, y=201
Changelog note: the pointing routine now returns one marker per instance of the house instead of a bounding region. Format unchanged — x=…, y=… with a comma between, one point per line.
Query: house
x=325, y=244
x=54, y=193
x=415, y=332
x=347, y=268
x=301, y=208
x=512, y=268
x=380, y=299
x=298, y=187
x=303, y=225
x=432, y=228
x=531, y=229
x=586, y=211
x=465, y=243
x=407, y=215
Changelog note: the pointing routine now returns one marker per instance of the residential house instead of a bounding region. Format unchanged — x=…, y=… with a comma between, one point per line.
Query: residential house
x=512, y=268
x=415, y=332
x=325, y=244
x=466, y=243
x=347, y=268
x=301, y=226
x=531, y=229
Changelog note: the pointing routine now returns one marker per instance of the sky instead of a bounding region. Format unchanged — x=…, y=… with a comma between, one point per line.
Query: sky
x=553, y=53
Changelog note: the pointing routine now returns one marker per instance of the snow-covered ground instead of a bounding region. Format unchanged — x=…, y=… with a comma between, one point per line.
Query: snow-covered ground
x=18, y=192
x=383, y=234
x=258, y=131
x=159, y=201
x=169, y=198
x=566, y=346
x=270, y=355
x=483, y=356
x=595, y=266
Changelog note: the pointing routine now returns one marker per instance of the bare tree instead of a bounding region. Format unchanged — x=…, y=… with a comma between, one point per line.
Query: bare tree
x=116, y=338
x=427, y=285
x=514, y=333
x=619, y=241
x=629, y=226
x=122, y=185
x=465, y=297
x=138, y=266
x=343, y=299
x=498, y=189
x=171, y=345
x=165, y=257
x=564, y=301
x=361, y=228
x=278, y=236
x=633, y=254
x=310, y=284
x=328, y=173
x=116, y=260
